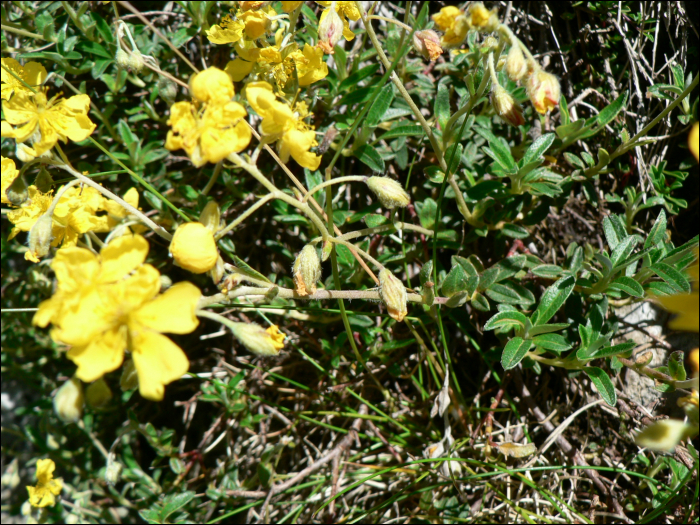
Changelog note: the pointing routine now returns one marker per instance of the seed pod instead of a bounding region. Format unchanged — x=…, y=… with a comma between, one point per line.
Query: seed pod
x=40, y=238
x=506, y=107
x=122, y=58
x=17, y=193
x=167, y=90
x=389, y=192
x=129, y=378
x=69, y=400
x=306, y=270
x=393, y=294
x=135, y=61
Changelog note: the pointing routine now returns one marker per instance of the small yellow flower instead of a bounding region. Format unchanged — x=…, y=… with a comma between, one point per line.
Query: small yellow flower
x=193, y=247
x=256, y=23
x=543, y=90
x=296, y=137
x=685, y=304
x=228, y=32
x=9, y=174
x=288, y=7
x=258, y=340
x=454, y=23
x=31, y=73
x=47, y=488
x=692, y=141
x=310, y=65
x=212, y=86
x=483, y=19
x=43, y=122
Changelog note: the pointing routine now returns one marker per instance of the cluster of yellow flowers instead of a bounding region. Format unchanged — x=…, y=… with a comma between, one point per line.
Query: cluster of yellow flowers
x=32, y=119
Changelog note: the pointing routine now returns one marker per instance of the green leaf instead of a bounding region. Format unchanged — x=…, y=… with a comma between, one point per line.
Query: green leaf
x=657, y=233
x=566, y=130
x=614, y=231
x=174, y=502
x=370, y=156
x=553, y=298
x=608, y=351
x=510, y=293
x=515, y=231
x=485, y=189
x=574, y=160
x=553, y=342
x=426, y=273
x=373, y=220
x=95, y=49
x=380, y=105
x=426, y=212
x=507, y=319
x=546, y=328
x=611, y=111
x=602, y=383
x=353, y=80
x=456, y=281
x=538, y=148
x=623, y=250
x=479, y=302
x=502, y=271
x=675, y=366
x=403, y=131
x=673, y=277
x=627, y=285
x=498, y=151
x=547, y=271
x=514, y=352
x=442, y=102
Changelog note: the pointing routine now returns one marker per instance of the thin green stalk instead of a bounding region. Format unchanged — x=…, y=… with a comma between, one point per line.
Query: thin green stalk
x=243, y=216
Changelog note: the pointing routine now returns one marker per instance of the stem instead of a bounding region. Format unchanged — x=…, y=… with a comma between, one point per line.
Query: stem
x=390, y=20
x=244, y=215
x=364, y=254
x=21, y=32
x=213, y=179
x=338, y=180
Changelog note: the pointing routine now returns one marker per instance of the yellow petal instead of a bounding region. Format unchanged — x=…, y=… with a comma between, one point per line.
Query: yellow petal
x=297, y=143
x=238, y=69
x=686, y=306
x=158, y=362
x=693, y=140
x=211, y=85
x=101, y=356
x=172, y=311
x=193, y=247
x=122, y=256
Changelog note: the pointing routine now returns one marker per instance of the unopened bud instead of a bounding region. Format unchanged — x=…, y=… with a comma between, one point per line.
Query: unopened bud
x=306, y=270
x=43, y=181
x=543, y=90
x=330, y=29
x=506, y=107
x=193, y=247
x=40, y=238
x=122, y=58
x=130, y=378
x=516, y=65
x=167, y=90
x=135, y=61
x=16, y=193
x=258, y=340
x=217, y=272
x=490, y=44
x=69, y=400
x=211, y=216
x=113, y=470
x=427, y=44
x=482, y=19
x=393, y=294
x=98, y=393
x=389, y=192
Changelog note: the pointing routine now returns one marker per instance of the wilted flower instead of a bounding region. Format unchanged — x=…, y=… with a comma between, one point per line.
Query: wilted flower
x=427, y=44
x=258, y=340
x=43, y=495
x=543, y=90
x=506, y=107
x=516, y=65
x=330, y=29
x=69, y=400
x=389, y=192
x=393, y=294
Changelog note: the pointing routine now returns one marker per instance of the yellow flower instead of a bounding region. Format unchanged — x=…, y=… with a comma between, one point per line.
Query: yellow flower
x=9, y=174
x=43, y=122
x=454, y=23
x=427, y=44
x=256, y=22
x=258, y=340
x=288, y=7
x=279, y=121
x=310, y=65
x=43, y=495
x=250, y=5
x=228, y=32
x=212, y=86
x=193, y=247
x=117, y=310
x=685, y=305
x=117, y=213
x=692, y=141
x=543, y=90
x=32, y=74
x=346, y=10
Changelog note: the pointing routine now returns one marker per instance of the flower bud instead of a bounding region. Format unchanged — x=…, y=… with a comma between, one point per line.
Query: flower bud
x=135, y=61
x=506, y=107
x=130, y=378
x=389, y=192
x=193, y=247
x=516, y=65
x=483, y=19
x=17, y=193
x=427, y=44
x=543, y=90
x=113, y=470
x=490, y=44
x=40, y=238
x=306, y=270
x=393, y=294
x=69, y=400
x=258, y=340
x=167, y=90
x=98, y=393
x=217, y=272
x=122, y=58
x=330, y=29
x=211, y=216
x=43, y=181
